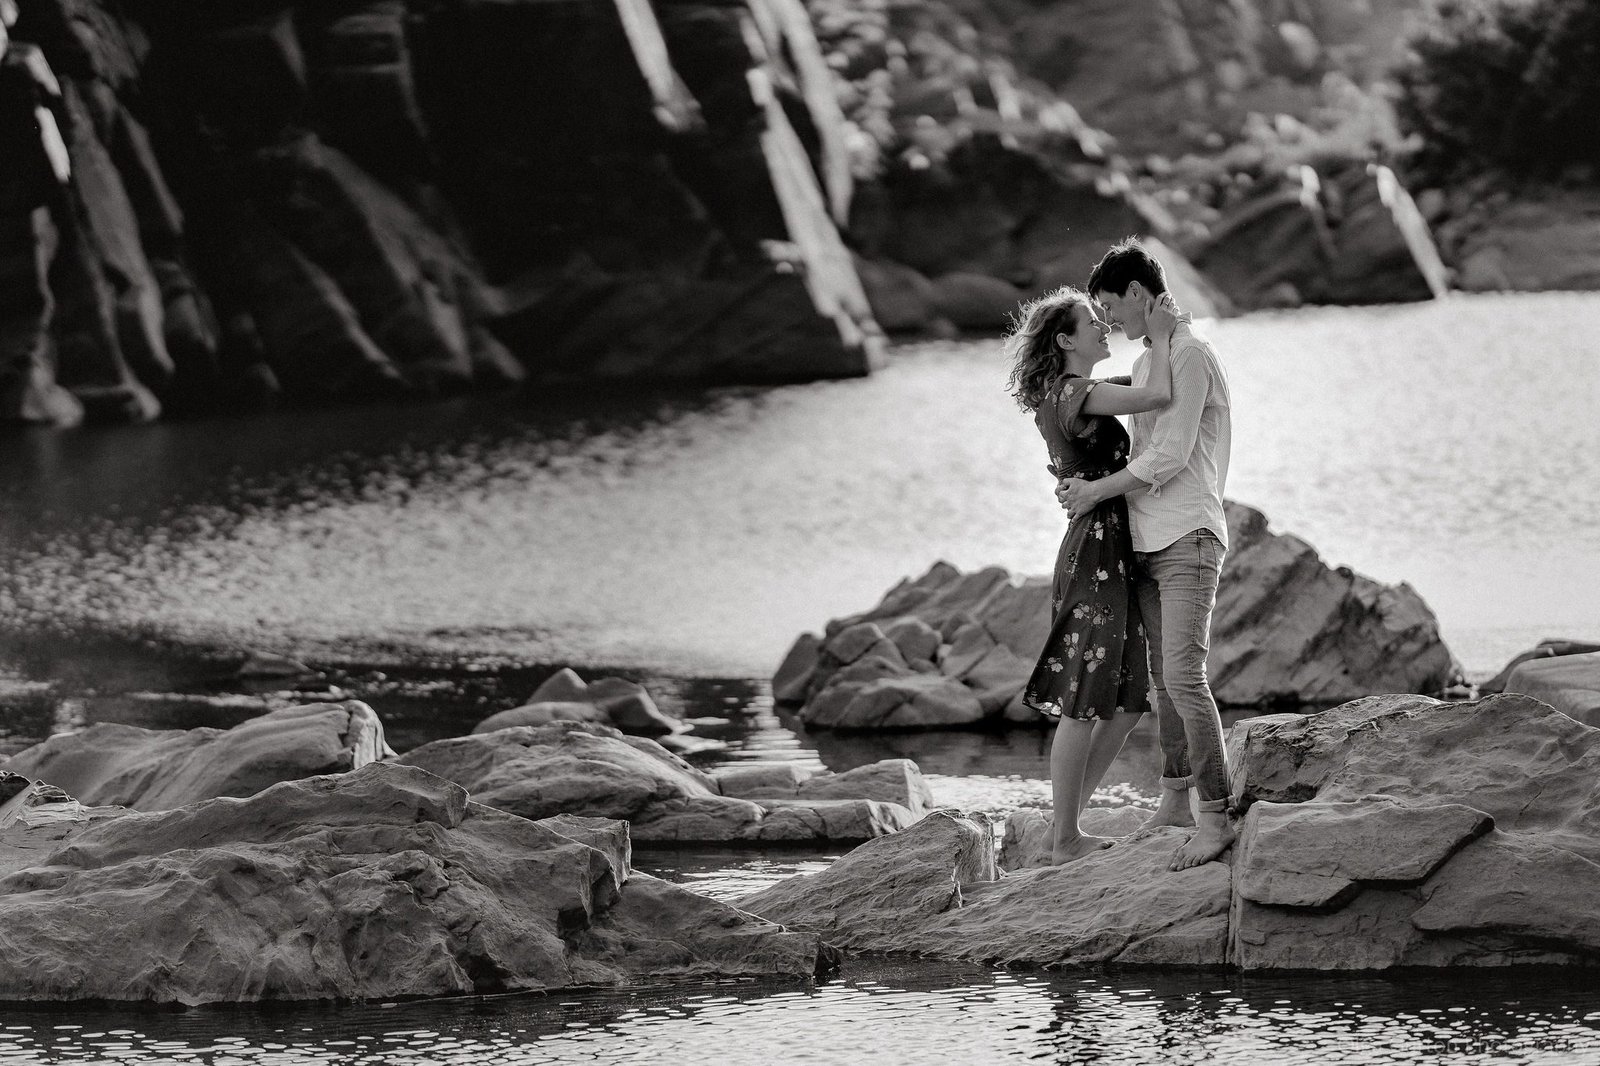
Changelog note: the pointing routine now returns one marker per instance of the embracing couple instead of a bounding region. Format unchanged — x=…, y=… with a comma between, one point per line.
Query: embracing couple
x=1136, y=577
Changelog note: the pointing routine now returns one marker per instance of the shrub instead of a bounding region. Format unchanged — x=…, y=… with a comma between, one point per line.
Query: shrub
x=1512, y=85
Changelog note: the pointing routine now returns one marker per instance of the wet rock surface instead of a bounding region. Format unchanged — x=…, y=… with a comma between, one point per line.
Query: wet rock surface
x=1391, y=831
x=157, y=769
x=1569, y=683
x=952, y=648
x=382, y=882
x=596, y=771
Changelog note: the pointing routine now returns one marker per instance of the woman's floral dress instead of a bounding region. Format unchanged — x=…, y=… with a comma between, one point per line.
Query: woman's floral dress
x=1094, y=663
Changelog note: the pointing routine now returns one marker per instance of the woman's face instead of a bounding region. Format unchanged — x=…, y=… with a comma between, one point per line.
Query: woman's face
x=1089, y=334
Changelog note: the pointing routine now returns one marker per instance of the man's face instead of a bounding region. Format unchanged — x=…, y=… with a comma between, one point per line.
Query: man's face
x=1126, y=311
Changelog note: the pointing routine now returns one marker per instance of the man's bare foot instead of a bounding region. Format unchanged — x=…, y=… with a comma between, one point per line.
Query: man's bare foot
x=1213, y=837
x=1077, y=848
x=1172, y=810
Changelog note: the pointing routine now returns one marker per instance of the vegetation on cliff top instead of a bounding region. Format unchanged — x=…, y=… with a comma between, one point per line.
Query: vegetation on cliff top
x=1510, y=85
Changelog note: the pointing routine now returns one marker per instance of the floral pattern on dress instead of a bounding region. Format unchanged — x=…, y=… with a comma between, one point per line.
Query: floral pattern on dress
x=1094, y=663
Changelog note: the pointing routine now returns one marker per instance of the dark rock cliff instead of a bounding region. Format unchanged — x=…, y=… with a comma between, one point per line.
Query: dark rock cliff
x=377, y=197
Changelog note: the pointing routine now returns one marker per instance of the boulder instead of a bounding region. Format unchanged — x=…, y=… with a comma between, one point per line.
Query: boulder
x=566, y=697
x=1543, y=650
x=1539, y=240
x=896, y=781
x=1569, y=683
x=903, y=301
x=1349, y=235
x=885, y=889
x=975, y=301
x=379, y=883
x=1287, y=629
x=1402, y=831
x=152, y=770
x=593, y=770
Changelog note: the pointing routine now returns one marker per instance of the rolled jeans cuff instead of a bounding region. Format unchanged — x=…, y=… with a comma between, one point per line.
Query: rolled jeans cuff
x=1178, y=784
x=1213, y=806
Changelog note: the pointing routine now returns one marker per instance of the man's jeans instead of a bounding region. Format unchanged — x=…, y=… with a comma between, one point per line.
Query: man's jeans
x=1177, y=588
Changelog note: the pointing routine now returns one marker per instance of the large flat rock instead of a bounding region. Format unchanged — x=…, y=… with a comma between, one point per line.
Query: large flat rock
x=383, y=882
x=593, y=770
x=932, y=891
x=148, y=769
x=1402, y=831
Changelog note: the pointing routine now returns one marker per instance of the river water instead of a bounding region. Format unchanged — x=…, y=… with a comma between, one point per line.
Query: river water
x=439, y=559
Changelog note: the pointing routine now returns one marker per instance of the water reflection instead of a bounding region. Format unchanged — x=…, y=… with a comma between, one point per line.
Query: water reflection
x=881, y=1010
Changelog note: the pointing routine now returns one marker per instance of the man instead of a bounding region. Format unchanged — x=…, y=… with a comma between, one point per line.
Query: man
x=1174, y=484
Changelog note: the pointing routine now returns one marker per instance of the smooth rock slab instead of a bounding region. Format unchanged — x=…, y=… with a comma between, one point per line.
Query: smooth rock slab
x=382, y=882
x=158, y=769
x=1569, y=683
x=1317, y=854
x=595, y=771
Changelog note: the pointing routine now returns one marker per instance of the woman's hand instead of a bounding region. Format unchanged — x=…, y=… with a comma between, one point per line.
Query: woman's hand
x=1162, y=318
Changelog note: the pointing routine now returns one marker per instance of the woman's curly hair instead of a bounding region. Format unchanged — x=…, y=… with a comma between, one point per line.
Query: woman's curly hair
x=1037, y=364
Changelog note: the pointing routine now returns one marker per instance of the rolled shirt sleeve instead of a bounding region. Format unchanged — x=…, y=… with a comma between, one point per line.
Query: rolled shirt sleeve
x=1177, y=425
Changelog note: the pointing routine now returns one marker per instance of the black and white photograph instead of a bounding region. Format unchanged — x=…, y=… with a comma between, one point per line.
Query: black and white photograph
x=765, y=532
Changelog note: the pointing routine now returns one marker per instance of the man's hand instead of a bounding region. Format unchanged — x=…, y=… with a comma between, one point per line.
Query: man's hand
x=1078, y=496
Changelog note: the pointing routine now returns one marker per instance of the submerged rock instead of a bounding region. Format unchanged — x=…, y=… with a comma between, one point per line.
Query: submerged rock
x=157, y=769
x=1287, y=629
x=382, y=882
x=594, y=770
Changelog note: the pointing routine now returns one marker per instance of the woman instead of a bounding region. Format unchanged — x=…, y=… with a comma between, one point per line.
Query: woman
x=1093, y=674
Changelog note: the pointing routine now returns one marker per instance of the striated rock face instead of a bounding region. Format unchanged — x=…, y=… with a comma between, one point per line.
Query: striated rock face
x=951, y=649
x=1349, y=236
x=154, y=770
x=36, y=818
x=1391, y=831
x=1289, y=628
x=377, y=883
x=593, y=770
x=219, y=210
x=1398, y=831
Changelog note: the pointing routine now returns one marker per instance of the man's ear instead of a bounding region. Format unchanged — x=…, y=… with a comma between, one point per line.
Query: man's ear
x=1135, y=290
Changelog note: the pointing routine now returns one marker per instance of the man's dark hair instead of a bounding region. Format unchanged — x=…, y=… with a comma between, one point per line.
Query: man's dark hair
x=1125, y=263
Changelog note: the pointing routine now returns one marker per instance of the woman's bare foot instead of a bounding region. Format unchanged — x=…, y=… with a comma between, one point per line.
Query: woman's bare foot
x=1076, y=848
x=1213, y=837
x=1172, y=810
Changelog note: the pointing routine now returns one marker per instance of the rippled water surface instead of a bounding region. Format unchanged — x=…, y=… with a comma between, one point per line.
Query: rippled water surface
x=1451, y=444
x=435, y=554
x=883, y=1012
